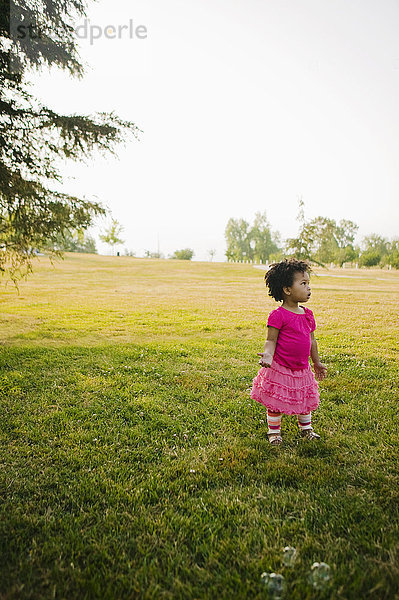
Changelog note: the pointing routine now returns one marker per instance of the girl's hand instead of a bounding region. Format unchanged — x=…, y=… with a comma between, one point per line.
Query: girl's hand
x=320, y=370
x=266, y=359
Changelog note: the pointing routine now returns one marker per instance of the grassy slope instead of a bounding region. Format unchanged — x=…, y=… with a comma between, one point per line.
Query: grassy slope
x=136, y=466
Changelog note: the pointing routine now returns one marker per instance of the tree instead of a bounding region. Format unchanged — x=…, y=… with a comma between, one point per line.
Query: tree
x=345, y=235
x=263, y=241
x=325, y=245
x=250, y=243
x=333, y=242
x=211, y=253
x=185, y=254
x=392, y=258
x=238, y=240
x=374, y=249
x=302, y=247
x=128, y=252
x=112, y=233
x=376, y=242
x=323, y=240
x=370, y=258
x=35, y=139
x=149, y=254
x=74, y=241
x=344, y=255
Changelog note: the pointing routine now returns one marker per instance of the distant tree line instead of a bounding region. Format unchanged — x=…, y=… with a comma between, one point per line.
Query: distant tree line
x=184, y=254
x=320, y=240
x=79, y=241
x=72, y=241
x=253, y=243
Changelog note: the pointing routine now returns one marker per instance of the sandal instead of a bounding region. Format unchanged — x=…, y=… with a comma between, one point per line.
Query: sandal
x=309, y=434
x=275, y=439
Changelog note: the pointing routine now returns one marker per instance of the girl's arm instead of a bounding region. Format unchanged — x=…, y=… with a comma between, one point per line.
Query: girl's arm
x=320, y=369
x=270, y=346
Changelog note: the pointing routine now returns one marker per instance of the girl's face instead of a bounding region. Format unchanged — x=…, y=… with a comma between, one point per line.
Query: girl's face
x=299, y=291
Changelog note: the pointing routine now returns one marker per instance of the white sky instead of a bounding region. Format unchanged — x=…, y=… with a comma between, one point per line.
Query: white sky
x=245, y=105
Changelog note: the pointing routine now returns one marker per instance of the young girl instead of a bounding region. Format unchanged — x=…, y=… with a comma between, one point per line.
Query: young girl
x=285, y=383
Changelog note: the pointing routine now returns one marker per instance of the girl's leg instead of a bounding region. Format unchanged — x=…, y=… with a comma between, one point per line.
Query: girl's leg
x=305, y=427
x=274, y=422
x=305, y=421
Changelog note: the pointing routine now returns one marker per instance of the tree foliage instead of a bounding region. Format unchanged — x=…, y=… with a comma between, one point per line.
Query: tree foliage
x=111, y=234
x=184, y=254
x=301, y=246
x=150, y=254
x=74, y=241
x=211, y=252
x=392, y=256
x=375, y=248
x=245, y=242
x=237, y=239
x=34, y=139
x=323, y=240
x=263, y=241
x=320, y=240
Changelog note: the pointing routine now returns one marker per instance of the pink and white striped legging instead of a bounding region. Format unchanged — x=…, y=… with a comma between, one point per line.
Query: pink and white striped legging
x=274, y=421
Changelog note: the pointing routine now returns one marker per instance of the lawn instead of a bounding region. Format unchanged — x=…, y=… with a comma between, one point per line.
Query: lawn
x=135, y=464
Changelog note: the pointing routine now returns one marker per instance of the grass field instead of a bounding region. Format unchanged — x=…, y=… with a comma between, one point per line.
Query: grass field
x=135, y=465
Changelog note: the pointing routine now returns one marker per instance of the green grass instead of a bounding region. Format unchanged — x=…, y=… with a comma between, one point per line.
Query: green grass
x=135, y=465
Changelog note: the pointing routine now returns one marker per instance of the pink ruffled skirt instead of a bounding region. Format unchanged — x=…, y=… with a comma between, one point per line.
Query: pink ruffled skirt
x=283, y=390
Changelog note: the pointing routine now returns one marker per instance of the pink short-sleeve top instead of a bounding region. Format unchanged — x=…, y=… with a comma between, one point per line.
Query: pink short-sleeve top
x=294, y=340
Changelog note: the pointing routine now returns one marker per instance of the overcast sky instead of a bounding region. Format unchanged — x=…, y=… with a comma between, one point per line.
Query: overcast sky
x=245, y=106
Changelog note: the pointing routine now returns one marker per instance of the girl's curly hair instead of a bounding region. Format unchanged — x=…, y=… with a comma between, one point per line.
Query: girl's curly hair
x=281, y=275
